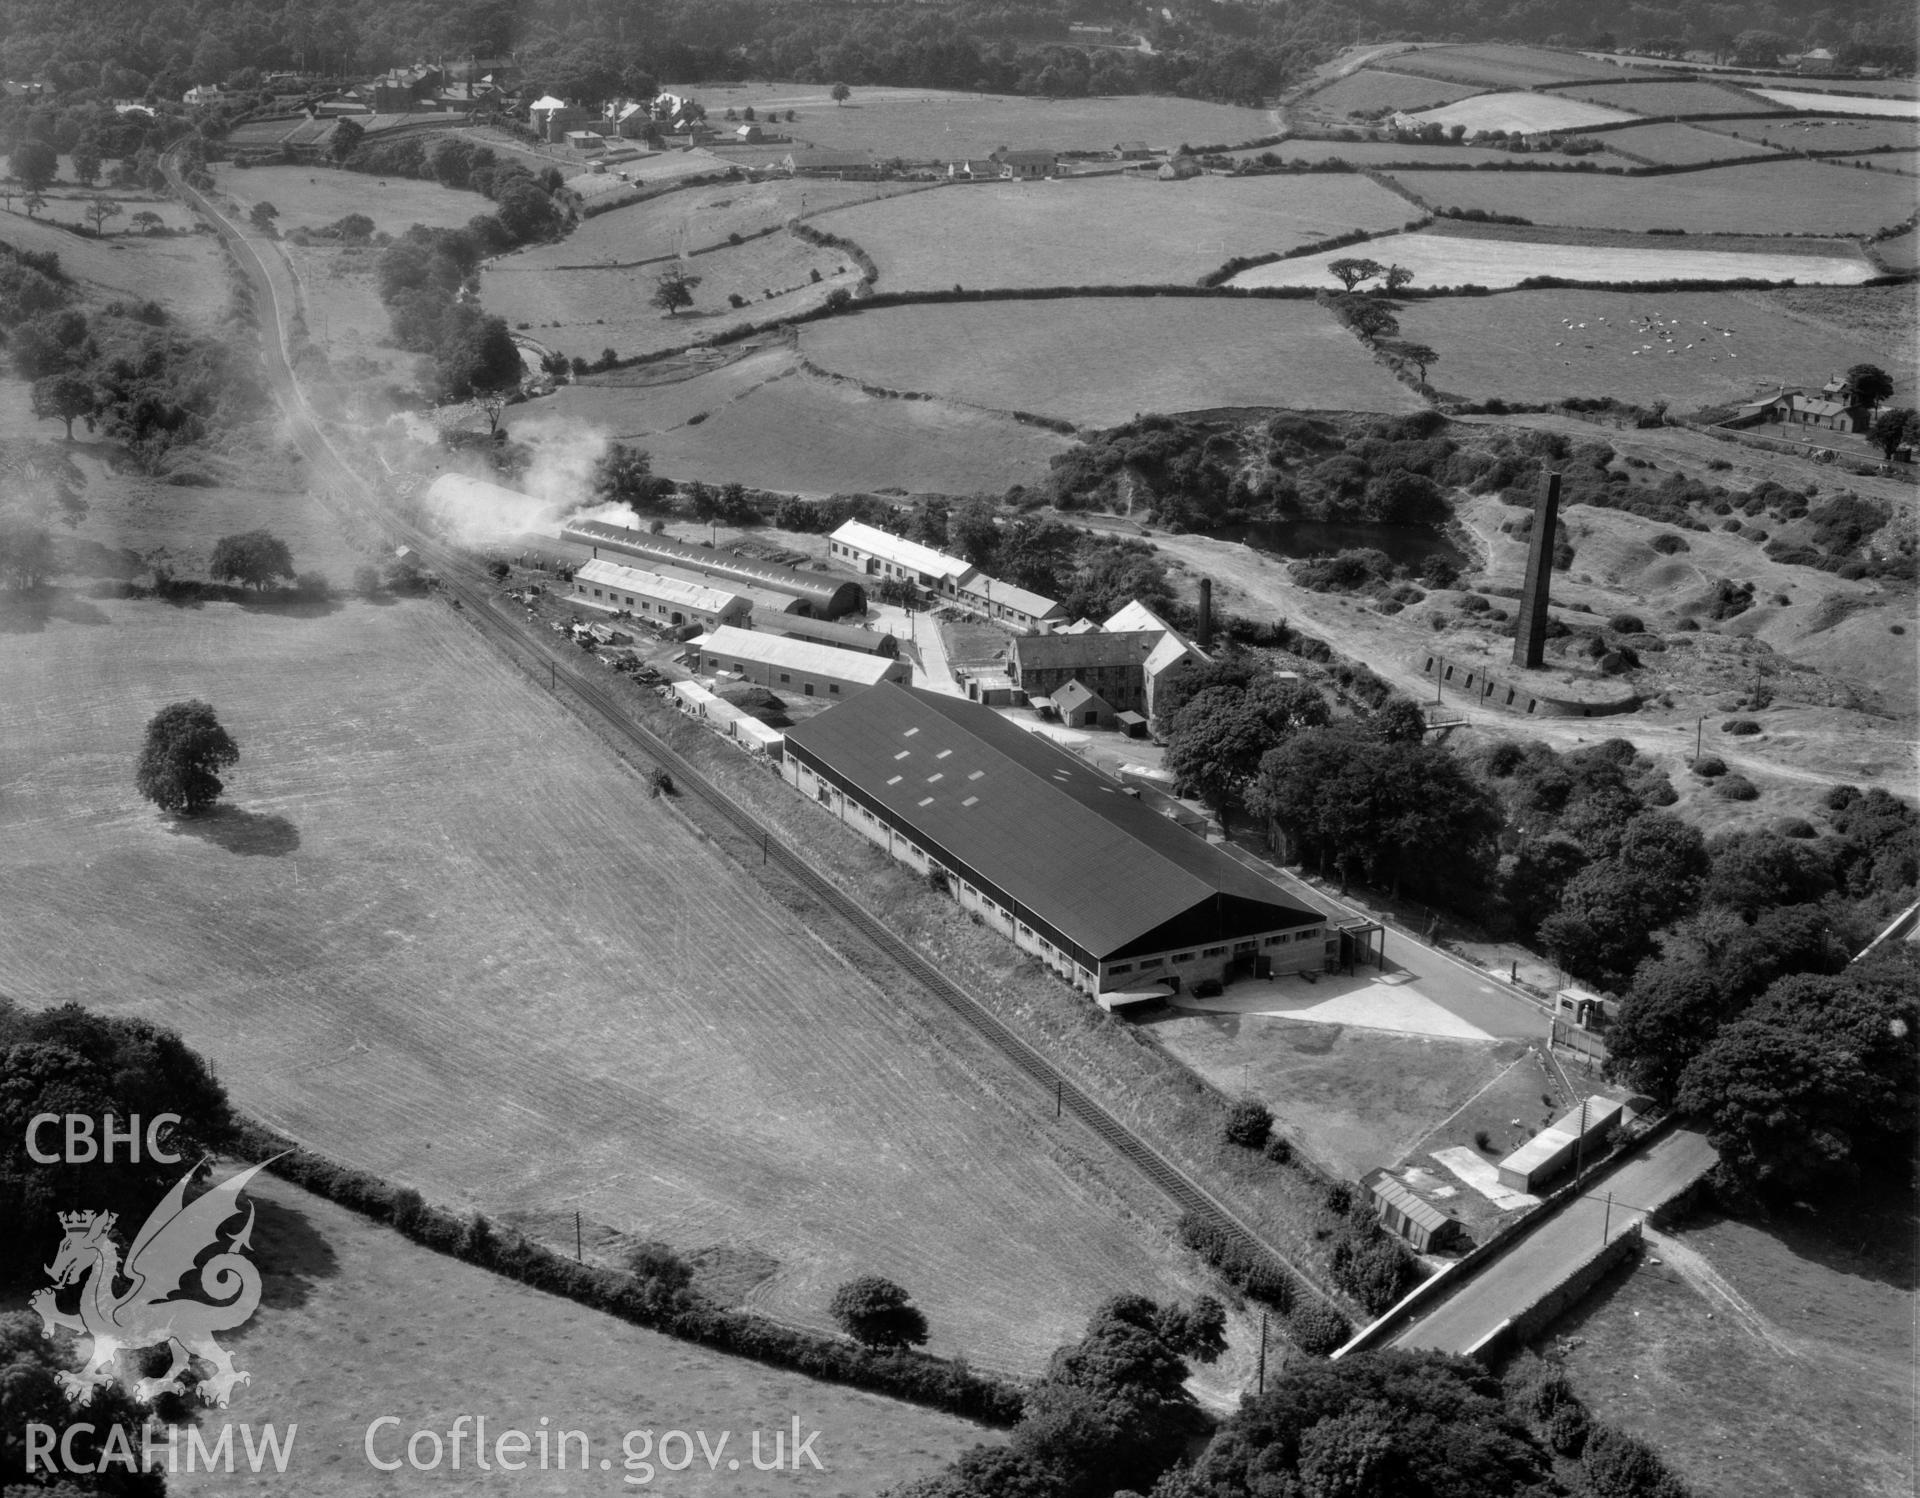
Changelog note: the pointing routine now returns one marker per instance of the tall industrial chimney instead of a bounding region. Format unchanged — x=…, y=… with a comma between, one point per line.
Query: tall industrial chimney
x=1205, y=630
x=1530, y=639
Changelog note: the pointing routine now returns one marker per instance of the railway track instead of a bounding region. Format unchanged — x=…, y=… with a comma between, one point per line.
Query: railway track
x=467, y=585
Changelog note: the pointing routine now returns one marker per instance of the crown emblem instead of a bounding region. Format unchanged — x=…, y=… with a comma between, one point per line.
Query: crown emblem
x=74, y=1220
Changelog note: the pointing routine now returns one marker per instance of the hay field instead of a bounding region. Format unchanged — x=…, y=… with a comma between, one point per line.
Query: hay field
x=1523, y=113
x=1680, y=145
x=1082, y=360
x=584, y=311
x=922, y=124
x=1109, y=231
x=1371, y=90
x=1845, y=133
x=312, y=197
x=1447, y=260
x=1664, y=99
x=1500, y=65
x=356, y=1322
x=1540, y=345
x=695, y=218
x=443, y=935
x=1783, y=197
x=1903, y=107
x=765, y=423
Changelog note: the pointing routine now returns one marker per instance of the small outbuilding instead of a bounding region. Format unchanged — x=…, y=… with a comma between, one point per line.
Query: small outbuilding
x=1423, y=1226
x=1581, y=1132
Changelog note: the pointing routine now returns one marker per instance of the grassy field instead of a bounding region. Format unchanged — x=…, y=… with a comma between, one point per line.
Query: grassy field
x=765, y=423
x=1080, y=359
x=183, y=272
x=311, y=197
x=584, y=311
x=1371, y=90
x=1764, y=1359
x=1902, y=251
x=441, y=934
x=1112, y=231
x=1382, y=153
x=695, y=218
x=1886, y=316
x=1846, y=133
x=1783, y=197
x=1679, y=145
x=1905, y=163
x=1499, y=65
x=1443, y=260
x=937, y=125
x=1353, y=1098
x=1540, y=344
x=1523, y=113
x=356, y=1323
x=1665, y=99
x=1902, y=106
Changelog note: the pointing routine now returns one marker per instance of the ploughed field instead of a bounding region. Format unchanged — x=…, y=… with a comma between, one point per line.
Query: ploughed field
x=1086, y=360
x=441, y=934
x=1448, y=260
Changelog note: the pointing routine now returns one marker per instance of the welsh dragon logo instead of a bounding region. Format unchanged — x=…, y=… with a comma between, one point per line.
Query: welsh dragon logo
x=152, y=1311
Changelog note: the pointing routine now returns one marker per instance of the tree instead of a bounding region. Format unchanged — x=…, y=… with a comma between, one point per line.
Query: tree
x=255, y=558
x=1419, y=355
x=673, y=289
x=1398, y=275
x=840, y=93
x=1760, y=49
x=63, y=397
x=33, y=202
x=147, y=221
x=1895, y=428
x=262, y=215
x=1870, y=384
x=346, y=138
x=1216, y=740
x=1370, y=320
x=1351, y=270
x=1668, y=1017
x=976, y=533
x=35, y=163
x=86, y=163
x=878, y=1313
x=480, y=357
x=100, y=208
x=185, y=749
x=623, y=475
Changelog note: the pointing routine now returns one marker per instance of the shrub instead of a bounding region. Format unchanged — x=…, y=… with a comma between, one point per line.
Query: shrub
x=1483, y=1141
x=1278, y=1149
x=1740, y=727
x=1737, y=788
x=1794, y=827
x=1666, y=543
x=1248, y=1123
x=875, y=1312
x=1318, y=1329
x=660, y=783
x=366, y=581
x=1627, y=624
x=1709, y=765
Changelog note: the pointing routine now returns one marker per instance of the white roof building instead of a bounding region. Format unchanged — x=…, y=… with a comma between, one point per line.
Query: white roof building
x=872, y=550
x=797, y=666
x=675, y=600
x=1134, y=616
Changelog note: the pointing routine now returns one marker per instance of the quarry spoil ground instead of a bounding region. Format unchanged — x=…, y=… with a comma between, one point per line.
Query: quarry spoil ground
x=356, y=1322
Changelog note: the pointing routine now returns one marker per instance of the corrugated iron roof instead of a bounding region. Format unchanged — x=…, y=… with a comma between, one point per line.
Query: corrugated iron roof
x=1063, y=842
x=900, y=551
x=657, y=586
x=727, y=643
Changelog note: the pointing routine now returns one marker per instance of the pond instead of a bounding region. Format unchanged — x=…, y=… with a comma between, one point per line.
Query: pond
x=1408, y=545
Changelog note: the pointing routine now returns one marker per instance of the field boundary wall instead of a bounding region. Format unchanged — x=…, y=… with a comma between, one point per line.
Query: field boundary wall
x=1536, y=1316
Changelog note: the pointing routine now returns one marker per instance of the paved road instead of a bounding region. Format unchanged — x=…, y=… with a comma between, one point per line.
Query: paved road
x=1544, y=1257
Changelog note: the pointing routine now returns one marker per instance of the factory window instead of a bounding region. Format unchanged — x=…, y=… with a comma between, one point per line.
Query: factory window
x=1151, y=963
x=1118, y=968
x=833, y=689
x=1214, y=952
x=785, y=679
x=1183, y=957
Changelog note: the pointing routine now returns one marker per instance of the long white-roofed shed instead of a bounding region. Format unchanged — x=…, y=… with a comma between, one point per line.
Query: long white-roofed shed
x=868, y=549
x=784, y=665
x=656, y=596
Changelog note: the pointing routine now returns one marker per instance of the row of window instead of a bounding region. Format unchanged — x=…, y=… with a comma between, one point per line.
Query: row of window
x=1149, y=964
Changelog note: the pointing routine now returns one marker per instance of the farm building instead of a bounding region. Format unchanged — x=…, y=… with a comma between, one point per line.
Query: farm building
x=976, y=171
x=1082, y=707
x=1132, y=150
x=1581, y=1131
x=1055, y=855
x=1424, y=1226
x=1798, y=408
x=1018, y=608
x=868, y=549
x=840, y=636
x=793, y=666
x=826, y=596
x=846, y=166
x=1027, y=165
x=658, y=597
x=1128, y=668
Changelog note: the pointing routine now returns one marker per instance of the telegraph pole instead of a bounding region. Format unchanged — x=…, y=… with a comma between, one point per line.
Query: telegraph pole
x=1260, y=1384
